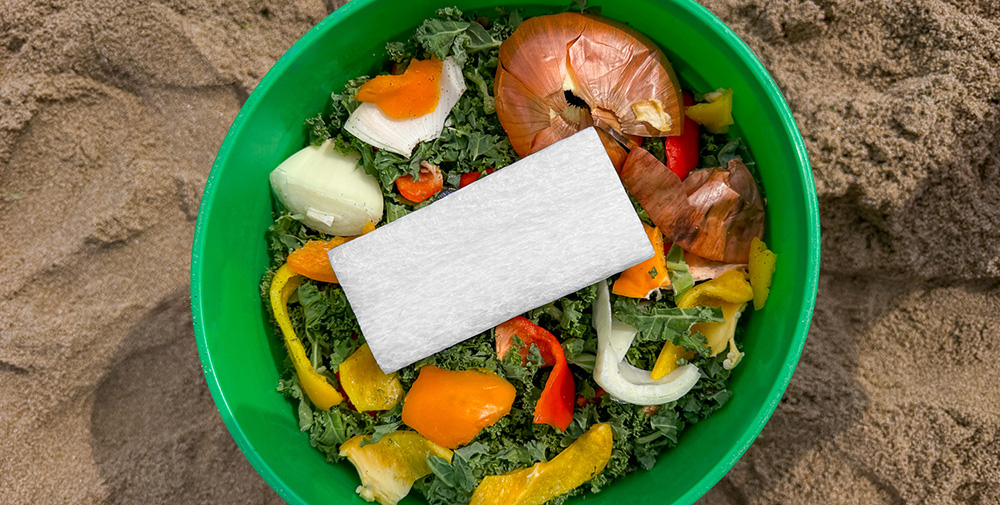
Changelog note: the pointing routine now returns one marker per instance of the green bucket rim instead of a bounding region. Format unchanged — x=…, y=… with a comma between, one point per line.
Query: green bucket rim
x=812, y=243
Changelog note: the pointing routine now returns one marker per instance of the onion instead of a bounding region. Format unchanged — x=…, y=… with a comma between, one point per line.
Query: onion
x=702, y=269
x=621, y=379
x=713, y=213
x=400, y=136
x=327, y=191
x=626, y=82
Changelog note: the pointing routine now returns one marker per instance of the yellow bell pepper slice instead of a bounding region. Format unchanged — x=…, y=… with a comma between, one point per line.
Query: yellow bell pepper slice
x=666, y=362
x=640, y=280
x=717, y=114
x=366, y=385
x=762, y=263
x=389, y=467
x=731, y=287
x=320, y=392
x=581, y=461
x=721, y=335
x=729, y=291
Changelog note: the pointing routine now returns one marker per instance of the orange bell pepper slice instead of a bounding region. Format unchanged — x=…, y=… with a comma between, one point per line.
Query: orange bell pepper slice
x=413, y=94
x=451, y=407
x=312, y=260
x=640, y=280
x=428, y=183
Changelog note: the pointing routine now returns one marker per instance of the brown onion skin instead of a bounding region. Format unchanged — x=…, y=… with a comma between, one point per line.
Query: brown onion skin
x=713, y=213
x=612, y=65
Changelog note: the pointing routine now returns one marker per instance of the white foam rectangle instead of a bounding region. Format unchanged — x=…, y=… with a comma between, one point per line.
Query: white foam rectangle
x=548, y=225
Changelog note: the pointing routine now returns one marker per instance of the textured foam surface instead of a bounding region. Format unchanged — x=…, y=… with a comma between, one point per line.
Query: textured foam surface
x=546, y=226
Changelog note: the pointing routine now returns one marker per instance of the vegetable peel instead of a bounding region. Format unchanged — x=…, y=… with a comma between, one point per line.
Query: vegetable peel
x=651, y=112
x=625, y=80
x=713, y=213
x=702, y=269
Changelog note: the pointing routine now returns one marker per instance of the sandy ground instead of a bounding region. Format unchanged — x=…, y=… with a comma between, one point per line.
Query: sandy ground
x=110, y=116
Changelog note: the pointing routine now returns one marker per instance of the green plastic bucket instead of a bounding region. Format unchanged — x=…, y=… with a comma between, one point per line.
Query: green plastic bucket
x=241, y=357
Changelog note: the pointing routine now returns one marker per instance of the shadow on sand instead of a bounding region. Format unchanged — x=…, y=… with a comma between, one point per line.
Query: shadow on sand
x=157, y=437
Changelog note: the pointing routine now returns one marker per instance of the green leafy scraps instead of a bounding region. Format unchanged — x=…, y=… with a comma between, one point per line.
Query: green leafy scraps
x=380, y=431
x=317, y=130
x=450, y=34
x=677, y=269
x=657, y=322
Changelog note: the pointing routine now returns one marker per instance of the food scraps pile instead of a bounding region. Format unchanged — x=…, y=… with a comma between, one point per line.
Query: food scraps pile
x=569, y=396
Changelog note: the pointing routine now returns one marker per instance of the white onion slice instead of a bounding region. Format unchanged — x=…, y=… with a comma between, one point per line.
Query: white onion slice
x=621, y=379
x=400, y=136
x=327, y=190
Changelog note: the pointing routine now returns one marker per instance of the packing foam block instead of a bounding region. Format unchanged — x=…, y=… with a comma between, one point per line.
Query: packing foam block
x=544, y=227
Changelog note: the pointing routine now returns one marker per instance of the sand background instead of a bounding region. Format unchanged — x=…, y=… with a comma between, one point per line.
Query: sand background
x=110, y=117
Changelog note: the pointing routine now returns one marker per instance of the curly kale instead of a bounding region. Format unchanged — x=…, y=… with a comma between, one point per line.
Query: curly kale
x=472, y=140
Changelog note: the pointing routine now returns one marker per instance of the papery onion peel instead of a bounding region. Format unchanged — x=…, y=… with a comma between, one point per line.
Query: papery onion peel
x=627, y=83
x=714, y=213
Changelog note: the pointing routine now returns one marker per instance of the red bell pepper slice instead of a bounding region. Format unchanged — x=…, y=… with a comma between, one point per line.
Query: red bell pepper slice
x=471, y=177
x=555, y=405
x=681, y=150
x=467, y=179
x=598, y=393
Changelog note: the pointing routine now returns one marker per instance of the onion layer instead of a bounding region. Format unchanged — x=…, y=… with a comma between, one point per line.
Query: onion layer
x=620, y=378
x=400, y=136
x=327, y=190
